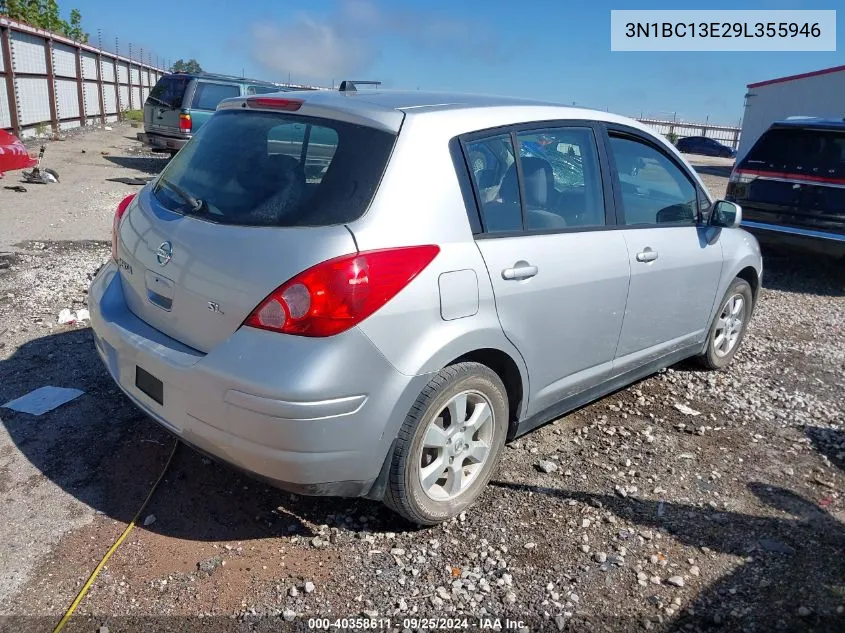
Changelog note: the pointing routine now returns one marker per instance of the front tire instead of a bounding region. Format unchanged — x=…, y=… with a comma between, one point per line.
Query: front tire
x=729, y=327
x=449, y=444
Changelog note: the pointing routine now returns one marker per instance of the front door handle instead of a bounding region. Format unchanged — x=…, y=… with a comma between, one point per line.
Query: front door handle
x=647, y=255
x=520, y=270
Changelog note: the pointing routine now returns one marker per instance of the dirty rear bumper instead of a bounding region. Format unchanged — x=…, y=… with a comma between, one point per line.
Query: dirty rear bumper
x=160, y=142
x=314, y=416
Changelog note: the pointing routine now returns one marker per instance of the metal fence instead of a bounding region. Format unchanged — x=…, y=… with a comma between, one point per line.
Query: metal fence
x=725, y=134
x=48, y=81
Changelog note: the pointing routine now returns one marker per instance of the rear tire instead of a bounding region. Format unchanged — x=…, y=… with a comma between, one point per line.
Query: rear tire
x=449, y=444
x=729, y=326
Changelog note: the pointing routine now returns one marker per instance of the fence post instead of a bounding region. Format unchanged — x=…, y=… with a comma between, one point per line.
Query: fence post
x=116, y=87
x=129, y=79
x=6, y=46
x=100, y=86
x=80, y=87
x=129, y=76
x=51, y=88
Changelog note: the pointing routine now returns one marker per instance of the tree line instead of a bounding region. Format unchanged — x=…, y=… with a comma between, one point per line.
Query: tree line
x=44, y=14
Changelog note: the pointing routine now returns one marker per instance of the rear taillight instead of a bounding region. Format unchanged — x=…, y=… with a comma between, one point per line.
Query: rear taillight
x=118, y=214
x=739, y=175
x=337, y=294
x=185, y=122
x=738, y=183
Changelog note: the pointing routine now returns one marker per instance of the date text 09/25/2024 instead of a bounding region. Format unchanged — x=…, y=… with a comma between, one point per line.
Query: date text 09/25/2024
x=415, y=623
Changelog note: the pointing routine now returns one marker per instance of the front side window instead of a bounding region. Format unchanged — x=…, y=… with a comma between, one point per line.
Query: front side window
x=654, y=190
x=208, y=95
x=561, y=178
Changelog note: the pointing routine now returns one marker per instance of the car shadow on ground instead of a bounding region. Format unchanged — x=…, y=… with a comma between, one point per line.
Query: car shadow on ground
x=723, y=171
x=126, y=180
x=794, y=567
x=807, y=273
x=828, y=442
x=106, y=453
x=146, y=164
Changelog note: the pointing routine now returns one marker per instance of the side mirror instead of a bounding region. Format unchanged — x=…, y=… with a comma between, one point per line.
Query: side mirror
x=726, y=214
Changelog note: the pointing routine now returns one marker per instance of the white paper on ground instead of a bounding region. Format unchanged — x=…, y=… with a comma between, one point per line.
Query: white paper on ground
x=66, y=316
x=43, y=399
x=686, y=410
x=82, y=314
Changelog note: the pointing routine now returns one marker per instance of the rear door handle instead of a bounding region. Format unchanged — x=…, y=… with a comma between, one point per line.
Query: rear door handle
x=520, y=270
x=647, y=255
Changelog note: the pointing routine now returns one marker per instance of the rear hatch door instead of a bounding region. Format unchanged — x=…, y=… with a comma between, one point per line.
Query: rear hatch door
x=794, y=177
x=164, y=104
x=235, y=214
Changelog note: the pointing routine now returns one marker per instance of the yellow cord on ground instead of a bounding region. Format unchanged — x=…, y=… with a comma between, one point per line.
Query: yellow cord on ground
x=82, y=592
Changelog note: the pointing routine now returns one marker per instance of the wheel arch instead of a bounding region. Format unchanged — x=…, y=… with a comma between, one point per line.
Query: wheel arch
x=516, y=383
x=749, y=274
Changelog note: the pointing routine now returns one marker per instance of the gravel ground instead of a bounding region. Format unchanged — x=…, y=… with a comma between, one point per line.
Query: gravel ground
x=95, y=168
x=688, y=501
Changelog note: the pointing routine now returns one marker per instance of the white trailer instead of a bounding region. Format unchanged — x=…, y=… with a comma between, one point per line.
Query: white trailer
x=818, y=94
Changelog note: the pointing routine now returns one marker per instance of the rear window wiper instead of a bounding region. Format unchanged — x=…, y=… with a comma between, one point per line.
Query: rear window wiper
x=195, y=203
x=157, y=100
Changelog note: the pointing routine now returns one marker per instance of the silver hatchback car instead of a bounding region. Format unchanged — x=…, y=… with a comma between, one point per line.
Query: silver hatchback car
x=368, y=294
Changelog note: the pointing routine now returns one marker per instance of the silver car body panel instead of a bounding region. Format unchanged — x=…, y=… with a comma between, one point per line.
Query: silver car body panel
x=664, y=311
x=306, y=419
x=207, y=267
x=323, y=412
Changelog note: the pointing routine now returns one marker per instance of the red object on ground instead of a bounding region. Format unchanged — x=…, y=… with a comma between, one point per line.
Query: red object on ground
x=13, y=153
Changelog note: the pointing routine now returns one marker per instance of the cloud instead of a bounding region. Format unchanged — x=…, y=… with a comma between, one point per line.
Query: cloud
x=346, y=42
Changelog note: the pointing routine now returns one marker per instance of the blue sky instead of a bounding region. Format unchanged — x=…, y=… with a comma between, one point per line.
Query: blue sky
x=545, y=49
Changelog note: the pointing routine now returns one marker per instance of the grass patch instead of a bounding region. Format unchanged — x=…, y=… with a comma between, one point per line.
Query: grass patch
x=134, y=115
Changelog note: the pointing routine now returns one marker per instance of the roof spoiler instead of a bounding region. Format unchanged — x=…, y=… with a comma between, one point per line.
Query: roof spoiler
x=348, y=85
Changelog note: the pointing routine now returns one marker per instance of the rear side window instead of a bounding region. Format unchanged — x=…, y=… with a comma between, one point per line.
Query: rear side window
x=799, y=151
x=561, y=179
x=208, y=95
x=268, y=169
x=494, y=171
x=169, y=91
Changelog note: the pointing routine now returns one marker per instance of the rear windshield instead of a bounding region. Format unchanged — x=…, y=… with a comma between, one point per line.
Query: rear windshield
x=269, y=169
x=820, y=152
x=169, y=90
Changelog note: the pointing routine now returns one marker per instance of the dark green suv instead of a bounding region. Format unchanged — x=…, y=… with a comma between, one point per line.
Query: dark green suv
x=180, y=103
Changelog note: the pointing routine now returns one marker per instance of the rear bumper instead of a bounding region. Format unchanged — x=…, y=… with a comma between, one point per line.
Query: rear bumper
x=161, y=142
x=822, y=242
x=243, y=404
